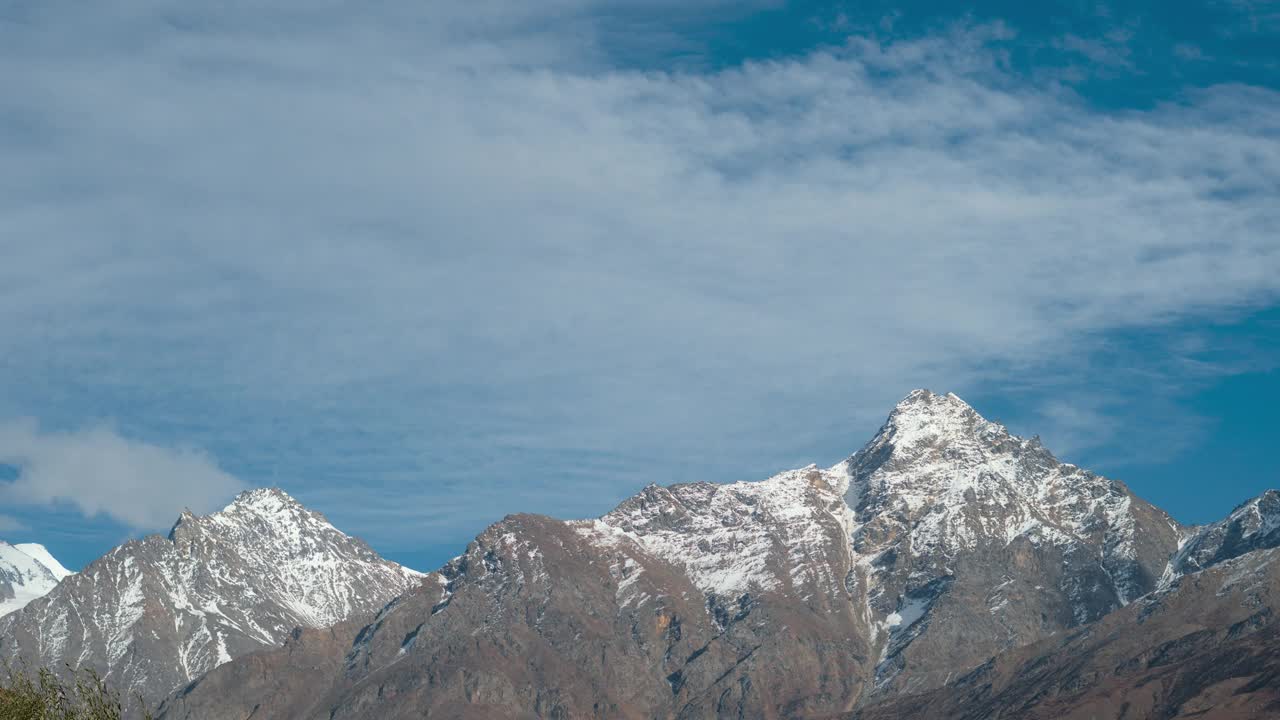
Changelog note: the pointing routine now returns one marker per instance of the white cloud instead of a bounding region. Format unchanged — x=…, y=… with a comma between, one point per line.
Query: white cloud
x=101, y=473
x=9, y=523
x=474, y=229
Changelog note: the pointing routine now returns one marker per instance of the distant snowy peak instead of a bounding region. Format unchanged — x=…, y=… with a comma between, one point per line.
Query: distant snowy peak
x=271, y=520
x=1254, y=525
x=27, y=572
x=158, y=612
x=322, y=574
x=42, y=555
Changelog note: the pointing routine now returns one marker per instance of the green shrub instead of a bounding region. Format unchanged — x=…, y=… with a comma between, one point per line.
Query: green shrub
x=44, y=696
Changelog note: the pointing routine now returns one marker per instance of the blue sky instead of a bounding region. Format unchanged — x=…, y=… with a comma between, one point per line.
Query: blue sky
x=426, y=264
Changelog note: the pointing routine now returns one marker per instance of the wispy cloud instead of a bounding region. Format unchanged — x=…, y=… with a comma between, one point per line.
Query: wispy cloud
x=99, y=472
x=11, y=524
x=1110, y=50
x=1255, y=16
x=466, y=251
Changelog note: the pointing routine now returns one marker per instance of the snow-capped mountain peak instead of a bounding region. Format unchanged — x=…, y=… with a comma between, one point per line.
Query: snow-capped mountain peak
x=27, y=572
x=924, y=414
x=940, y=486
x=42, y=555
x=936, y=449
x=938, y=428
x=936, y=500
x=271, y=508
x=158, y=612
x=264, y=501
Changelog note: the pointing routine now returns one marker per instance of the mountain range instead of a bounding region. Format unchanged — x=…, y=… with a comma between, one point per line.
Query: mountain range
x=946, y=569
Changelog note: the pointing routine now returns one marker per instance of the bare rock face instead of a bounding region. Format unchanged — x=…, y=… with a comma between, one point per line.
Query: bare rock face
x=154, y=614
x=1203, y=647
x=943, y=542
x=272, y=683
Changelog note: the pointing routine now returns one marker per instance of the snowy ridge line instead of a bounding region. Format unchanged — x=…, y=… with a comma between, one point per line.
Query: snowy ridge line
x=1252, y=525
x=769, y=535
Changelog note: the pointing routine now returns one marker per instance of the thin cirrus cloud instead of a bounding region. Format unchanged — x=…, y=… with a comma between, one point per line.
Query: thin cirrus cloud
x=101, y=473
x=11, y=524
x=614, y=260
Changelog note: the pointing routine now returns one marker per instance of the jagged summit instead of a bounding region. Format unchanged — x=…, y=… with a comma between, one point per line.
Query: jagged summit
x=1252, y=525
x=957, y=478
x=922, y=406
x=923, y=400
x=264, y=498
x=270, y=510
x=272, y=506
x=934, y=445
x=924, y=417
x=924, y=397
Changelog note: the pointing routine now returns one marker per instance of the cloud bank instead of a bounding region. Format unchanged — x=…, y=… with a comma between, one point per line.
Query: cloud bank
x=101, y=473
x=458, y=251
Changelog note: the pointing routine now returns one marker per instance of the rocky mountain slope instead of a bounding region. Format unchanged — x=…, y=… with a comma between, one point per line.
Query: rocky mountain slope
x=27, y=572
x=971, y=540
x=154, y=614
x=1253, y=525
x=1203, y=646
x=944, y=541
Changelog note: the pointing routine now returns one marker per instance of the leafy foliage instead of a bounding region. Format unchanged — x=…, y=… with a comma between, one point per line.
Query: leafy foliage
x=45, y=696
